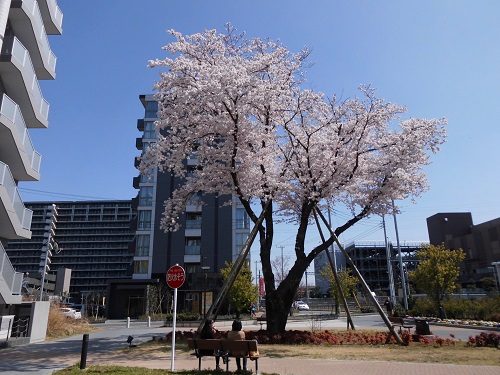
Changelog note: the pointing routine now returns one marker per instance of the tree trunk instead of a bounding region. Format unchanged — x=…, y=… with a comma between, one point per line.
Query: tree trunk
x=279, y=301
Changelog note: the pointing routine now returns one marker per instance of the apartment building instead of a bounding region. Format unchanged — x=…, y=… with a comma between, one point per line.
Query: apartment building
x=90, y=238
x=211, y=235
x=25, y=58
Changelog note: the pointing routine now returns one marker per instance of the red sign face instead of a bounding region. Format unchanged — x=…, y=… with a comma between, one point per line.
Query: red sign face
x=175, y=277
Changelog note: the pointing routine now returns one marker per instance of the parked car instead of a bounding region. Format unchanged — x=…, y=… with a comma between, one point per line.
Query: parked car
x=300, y=305
x=71, y=313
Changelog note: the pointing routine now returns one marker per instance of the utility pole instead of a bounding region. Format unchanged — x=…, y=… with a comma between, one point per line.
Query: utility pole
x=332, y=247
x=282, y=261
x=388, y=252
x=256, y=279
x=401, y=269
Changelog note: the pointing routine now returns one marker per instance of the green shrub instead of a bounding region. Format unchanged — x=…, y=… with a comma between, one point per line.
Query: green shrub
x=424, y=307
x=399, y=310
x=367, y=309
x=474, y=309
x=184, y=316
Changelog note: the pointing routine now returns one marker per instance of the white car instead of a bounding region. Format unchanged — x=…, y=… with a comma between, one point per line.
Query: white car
x=71, y=313
x=301, y=306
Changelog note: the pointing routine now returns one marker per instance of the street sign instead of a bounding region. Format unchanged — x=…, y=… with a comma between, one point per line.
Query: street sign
x=175, y=279
x=175, y=276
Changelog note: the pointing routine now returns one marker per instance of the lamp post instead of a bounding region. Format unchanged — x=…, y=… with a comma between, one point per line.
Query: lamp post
x=205, y=269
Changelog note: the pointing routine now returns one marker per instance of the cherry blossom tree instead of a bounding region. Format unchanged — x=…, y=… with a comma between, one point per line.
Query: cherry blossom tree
x=237, y=105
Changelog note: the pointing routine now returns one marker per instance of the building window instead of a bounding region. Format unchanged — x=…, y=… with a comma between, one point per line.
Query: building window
x=194, y=199
x=144, y=222
x=141, y=266
x=240, y=238
x=151, y=110
x=146, y=196
x=193, y=246
x=149, y=177
x=149, y=130
x=242, y=221
x=142, y=245
x=193, y=220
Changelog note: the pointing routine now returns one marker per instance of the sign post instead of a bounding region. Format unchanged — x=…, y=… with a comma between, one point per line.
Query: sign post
x=175, y=279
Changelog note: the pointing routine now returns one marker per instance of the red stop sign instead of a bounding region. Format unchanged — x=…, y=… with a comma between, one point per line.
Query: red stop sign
x=175, y=276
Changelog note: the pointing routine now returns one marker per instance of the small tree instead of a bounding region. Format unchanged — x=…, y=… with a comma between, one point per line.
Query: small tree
x=243, y=292
x=159, y=298
x=437, y=271
x=348, y=284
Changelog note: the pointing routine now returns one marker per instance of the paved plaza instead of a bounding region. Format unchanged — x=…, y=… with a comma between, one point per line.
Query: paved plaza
x=44, y=358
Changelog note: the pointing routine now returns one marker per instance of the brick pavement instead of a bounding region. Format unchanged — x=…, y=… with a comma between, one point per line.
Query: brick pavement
x=301, y=366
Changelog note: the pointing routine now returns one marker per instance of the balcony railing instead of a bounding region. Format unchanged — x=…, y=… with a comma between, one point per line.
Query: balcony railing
x=11, y=111
x=14, y=48
x=48, y=59
x=192, y=250
x=7, y=181
x=53, y=16
x=193, y=224
x=13, y=279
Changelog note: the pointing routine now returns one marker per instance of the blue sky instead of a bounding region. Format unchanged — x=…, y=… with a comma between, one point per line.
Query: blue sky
x=439, y=58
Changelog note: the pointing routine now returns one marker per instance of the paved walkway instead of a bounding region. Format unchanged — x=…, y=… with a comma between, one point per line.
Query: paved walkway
x=44, y=358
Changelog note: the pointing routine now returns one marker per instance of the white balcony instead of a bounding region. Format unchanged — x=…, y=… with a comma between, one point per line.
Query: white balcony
x=10, y=280
x=30, y=31
x=52, y=16
x=21, y=83
x=15, y=219
x=192, y=232
x=16, y=148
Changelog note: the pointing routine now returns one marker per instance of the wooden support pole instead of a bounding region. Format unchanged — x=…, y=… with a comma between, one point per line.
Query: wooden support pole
x=336, y=276
x=362, y=280
x=238, y=264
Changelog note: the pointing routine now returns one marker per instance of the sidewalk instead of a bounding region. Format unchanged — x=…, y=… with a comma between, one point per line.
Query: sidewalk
x=301, y=366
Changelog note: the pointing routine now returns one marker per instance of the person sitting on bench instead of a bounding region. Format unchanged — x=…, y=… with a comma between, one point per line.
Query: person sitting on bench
x=237, y=334
x=208, y=332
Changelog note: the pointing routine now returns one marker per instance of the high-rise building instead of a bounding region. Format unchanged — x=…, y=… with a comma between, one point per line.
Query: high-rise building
x=25, y=58
x=90, y=238
x=211, y=235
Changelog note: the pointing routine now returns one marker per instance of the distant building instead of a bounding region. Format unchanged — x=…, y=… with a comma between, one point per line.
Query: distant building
x=481, y=243
x=370, y=258
x=92, y=238
x=211, y=235
x=25, y=58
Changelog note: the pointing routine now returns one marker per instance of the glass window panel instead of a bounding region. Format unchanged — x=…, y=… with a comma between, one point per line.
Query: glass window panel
x=141, y=266
x=146, y=196
x=142, y=245
x=144, y=221
x=242, y=221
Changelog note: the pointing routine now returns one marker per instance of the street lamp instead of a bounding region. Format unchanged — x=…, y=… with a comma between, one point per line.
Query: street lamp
x=205, y=269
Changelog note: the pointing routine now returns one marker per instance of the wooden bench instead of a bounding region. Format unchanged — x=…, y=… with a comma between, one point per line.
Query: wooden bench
x=399, y=322
x=224, y=349
x=261, y=319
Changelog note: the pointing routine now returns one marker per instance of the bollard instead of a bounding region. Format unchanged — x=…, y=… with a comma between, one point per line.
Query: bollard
x=128, y=322
x=149, y=321
x=85, y=346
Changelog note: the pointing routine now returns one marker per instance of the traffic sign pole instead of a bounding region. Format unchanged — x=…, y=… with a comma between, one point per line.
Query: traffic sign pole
x=174, y=321
x=175, y=279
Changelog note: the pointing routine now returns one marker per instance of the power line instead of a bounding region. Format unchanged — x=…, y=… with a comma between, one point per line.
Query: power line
x=55, y=194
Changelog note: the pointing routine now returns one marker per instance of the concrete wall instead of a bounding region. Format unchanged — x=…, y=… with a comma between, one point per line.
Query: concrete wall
x=39, y=320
